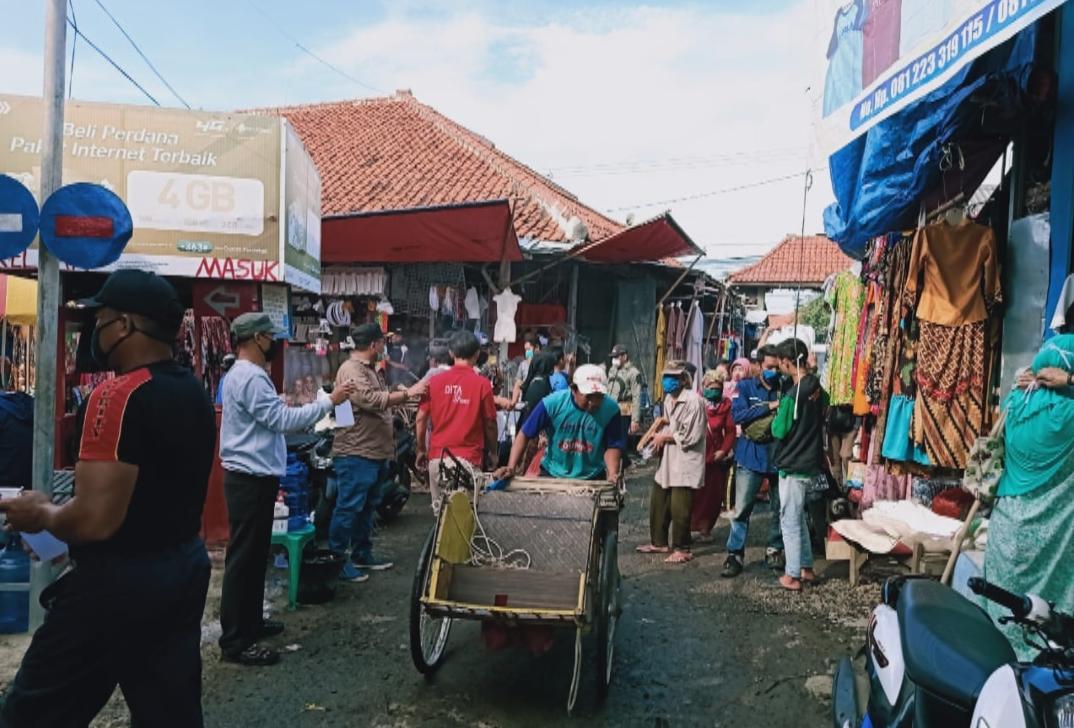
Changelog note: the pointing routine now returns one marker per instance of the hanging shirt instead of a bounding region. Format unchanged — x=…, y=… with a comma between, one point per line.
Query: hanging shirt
x=954, y=273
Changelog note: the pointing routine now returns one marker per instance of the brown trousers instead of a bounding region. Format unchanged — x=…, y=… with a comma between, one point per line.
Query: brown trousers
x=670, y=508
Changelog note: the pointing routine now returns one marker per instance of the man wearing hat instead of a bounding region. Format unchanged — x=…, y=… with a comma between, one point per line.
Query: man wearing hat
x=624, y=387
x=361, y=453
x=586, y=438
x=254, y=455
x=129, y=612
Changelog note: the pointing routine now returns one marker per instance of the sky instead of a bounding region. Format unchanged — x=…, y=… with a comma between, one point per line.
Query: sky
x=635, y=108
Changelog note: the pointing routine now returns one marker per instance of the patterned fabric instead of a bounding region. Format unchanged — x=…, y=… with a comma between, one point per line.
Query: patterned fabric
x=846, y=298
x=1031, y=549
x=889, y=349
x=950, y=413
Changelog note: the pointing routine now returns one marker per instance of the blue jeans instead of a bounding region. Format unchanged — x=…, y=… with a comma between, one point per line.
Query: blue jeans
x=357, y=498
x=792, y=516
x=747, y=483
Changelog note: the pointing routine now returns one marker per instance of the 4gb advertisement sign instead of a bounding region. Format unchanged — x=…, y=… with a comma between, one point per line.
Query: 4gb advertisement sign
x=206, y=191
x=874, y=57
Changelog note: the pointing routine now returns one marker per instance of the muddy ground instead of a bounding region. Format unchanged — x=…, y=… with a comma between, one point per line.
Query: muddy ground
x=692, y=650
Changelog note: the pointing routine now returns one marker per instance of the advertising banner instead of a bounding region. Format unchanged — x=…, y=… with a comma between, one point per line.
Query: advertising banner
x=302, y=214
x=205, y=190
x=873, y=57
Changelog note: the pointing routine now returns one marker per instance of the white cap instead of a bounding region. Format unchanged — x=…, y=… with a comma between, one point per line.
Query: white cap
x=590, y=379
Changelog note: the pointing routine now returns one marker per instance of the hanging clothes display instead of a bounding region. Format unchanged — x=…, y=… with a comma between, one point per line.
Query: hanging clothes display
x=695, y=333
x=661, y=353
x=954, y=278
x=846, y=297
x=893, y=332
x=506, y=305
x=869, y=325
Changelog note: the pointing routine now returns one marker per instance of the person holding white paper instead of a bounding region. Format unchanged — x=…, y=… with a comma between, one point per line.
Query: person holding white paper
x=254, y=456
x=129, y=612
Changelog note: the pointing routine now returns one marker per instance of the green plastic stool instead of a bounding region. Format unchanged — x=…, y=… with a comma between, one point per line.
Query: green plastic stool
x=294, y=542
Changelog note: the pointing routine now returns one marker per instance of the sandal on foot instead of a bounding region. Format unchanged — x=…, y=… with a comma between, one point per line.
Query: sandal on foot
x=679, y=557
x=808, y=576
x=253, y=656
x=790, y=583
x=648, y=548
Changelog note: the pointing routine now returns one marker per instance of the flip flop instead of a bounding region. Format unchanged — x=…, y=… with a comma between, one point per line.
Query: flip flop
x=790, y=584
x=808, y=576
x=679, y=557
x=648, y=548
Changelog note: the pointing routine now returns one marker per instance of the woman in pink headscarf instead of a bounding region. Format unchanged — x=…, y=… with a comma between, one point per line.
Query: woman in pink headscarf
x=740, y=370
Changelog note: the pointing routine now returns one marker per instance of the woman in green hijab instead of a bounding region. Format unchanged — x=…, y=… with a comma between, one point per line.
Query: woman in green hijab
x=1030, y=536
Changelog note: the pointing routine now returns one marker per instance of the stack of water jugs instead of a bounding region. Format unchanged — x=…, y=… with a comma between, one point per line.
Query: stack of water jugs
x=296, y=493
x=14, y=587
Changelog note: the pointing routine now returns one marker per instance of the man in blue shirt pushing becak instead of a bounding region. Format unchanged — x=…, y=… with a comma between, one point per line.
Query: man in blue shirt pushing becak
x=586, y=438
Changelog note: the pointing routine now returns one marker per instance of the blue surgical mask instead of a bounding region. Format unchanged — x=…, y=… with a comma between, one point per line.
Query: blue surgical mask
x=671, y=385
x=771, y=376
x=529, y=353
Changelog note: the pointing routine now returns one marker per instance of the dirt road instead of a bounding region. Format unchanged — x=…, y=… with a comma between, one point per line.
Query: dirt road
x=692, y=650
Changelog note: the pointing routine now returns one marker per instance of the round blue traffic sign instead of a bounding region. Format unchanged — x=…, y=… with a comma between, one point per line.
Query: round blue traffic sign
x=18, y=217
x=85, y=225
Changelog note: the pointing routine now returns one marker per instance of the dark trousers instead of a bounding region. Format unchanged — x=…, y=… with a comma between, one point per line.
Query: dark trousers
x=250, y=502
x=670, y=507
x=132, y=621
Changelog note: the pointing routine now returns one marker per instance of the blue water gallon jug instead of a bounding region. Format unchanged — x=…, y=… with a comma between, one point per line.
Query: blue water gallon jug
x=14, y=588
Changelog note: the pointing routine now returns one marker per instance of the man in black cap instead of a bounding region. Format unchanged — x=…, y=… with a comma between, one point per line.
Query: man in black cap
x=361, y=453
x=624, y=387
x=129, y=612
x=254, y=456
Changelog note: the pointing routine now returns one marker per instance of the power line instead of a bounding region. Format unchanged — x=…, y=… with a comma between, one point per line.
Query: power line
x=115, y=65
x=759, y=155
x=140, y=53
x=713, y=193
x=74, y=45
x=298, y=44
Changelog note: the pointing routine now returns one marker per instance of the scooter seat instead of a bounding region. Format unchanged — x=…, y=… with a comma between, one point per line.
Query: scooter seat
x=950, y=645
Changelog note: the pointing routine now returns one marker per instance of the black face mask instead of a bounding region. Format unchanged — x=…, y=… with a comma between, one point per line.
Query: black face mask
x=273, y=349
x=100, y=356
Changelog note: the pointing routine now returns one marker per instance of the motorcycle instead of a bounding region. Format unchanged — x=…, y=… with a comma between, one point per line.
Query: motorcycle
x=933, y=658
x=393, y=490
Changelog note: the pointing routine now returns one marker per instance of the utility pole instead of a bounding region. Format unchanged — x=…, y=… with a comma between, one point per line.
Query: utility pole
x=48, y=284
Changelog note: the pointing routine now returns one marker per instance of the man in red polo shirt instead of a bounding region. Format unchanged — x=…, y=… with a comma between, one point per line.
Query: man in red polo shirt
x=462, y=411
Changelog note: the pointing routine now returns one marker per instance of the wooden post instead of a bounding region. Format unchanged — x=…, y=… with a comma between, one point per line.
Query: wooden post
x=572, y=311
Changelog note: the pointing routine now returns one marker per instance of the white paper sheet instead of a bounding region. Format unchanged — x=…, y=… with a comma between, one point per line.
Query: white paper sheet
x=344, y=415
x=45, y=545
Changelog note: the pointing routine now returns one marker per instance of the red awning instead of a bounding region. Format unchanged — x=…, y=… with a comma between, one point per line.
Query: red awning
x=654, y=239
x=477, y=232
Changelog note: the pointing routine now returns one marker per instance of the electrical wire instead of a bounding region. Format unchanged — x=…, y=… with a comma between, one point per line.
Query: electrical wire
x=114, y=65
x=74, y=45
x=140, y=53
x=680, y=163
x=713, y=193
x=298, y=44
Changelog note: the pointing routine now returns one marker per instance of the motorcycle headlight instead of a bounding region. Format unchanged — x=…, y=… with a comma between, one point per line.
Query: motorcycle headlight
x=1064, y=712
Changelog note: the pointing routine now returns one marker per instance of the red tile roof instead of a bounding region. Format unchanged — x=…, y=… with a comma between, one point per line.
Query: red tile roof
x=809, y=260
x=397, y=153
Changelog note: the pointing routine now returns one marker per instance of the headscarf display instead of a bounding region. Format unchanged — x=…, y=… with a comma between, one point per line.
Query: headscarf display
x=1039, y=437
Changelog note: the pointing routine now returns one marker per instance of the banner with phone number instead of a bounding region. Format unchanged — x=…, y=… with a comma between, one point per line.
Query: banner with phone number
x=873, y=57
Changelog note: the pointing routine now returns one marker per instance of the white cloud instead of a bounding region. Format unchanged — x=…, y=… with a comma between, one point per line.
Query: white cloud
x=618, y=86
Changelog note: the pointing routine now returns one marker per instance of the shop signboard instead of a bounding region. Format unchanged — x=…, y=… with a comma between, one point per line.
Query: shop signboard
x=275, y=304
x=874, y=57
x=205, y=190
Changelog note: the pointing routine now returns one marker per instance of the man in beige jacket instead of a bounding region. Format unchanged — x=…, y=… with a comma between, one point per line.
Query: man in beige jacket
x=682, y=465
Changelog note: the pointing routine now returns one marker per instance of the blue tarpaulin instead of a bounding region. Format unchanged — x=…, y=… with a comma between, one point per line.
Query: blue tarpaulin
x=881, y=178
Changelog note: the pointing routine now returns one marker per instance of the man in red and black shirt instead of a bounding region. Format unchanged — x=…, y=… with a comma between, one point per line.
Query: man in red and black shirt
x=462, y=411
x=129, y=612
